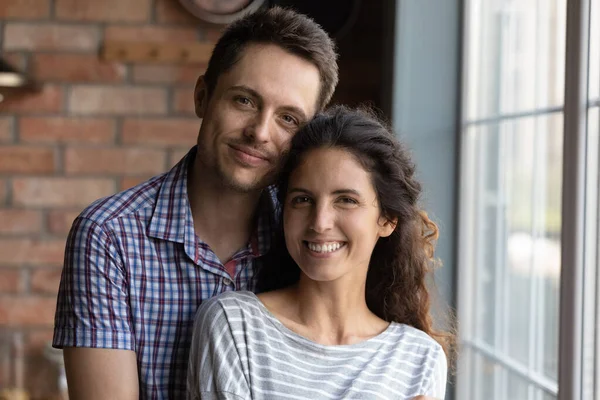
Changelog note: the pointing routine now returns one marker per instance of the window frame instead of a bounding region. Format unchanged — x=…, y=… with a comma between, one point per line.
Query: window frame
x=579, y=301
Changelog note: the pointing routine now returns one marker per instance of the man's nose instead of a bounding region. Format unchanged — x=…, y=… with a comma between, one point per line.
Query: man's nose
x=259, y=130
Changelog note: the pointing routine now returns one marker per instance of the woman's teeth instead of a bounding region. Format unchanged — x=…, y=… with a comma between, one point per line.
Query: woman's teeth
x=324, y=248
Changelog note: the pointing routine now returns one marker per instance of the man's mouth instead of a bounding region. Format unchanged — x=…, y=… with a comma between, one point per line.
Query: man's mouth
x=249, y=156
x=251, y=152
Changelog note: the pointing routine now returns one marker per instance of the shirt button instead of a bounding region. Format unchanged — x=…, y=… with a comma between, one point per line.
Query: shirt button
x=227, y=282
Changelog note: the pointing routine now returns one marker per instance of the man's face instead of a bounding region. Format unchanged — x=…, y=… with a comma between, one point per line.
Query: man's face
x=253, y=112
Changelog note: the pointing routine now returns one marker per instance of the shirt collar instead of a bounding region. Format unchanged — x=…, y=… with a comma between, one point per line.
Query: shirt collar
x=172, y=218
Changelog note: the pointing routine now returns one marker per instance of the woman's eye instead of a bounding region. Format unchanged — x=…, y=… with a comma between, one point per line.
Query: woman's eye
x=300, y=200
x=348, y=200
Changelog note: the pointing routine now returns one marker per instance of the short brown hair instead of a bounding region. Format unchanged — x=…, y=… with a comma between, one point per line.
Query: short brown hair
x=292, y=31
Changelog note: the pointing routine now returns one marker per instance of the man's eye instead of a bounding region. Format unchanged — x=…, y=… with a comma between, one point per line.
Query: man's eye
x=243, y=100
x=288, y=119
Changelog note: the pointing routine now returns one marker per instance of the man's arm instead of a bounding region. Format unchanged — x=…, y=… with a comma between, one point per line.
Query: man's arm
x=101, y=374
x=92, y=321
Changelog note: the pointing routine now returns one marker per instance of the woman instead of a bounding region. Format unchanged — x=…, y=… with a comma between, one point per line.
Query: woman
x=345, y=313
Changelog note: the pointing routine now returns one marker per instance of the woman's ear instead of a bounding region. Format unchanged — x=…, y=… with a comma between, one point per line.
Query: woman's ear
x=200, y=97
x=387, y=226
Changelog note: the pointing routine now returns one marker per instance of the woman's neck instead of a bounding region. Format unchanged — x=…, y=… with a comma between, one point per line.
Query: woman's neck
x=328, y=313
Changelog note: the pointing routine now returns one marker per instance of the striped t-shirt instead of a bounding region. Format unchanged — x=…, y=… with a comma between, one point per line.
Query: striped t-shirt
x=242, y=351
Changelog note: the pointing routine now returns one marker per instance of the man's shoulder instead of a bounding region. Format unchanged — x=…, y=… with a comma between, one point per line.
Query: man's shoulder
x=125, y=203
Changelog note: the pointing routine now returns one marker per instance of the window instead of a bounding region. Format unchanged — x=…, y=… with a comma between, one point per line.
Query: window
x=511, y=212
x=591, y=298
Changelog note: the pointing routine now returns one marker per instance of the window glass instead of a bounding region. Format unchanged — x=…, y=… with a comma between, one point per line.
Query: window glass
x=515, y=55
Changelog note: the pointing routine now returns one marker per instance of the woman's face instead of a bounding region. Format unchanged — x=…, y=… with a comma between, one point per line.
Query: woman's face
x=331, y=216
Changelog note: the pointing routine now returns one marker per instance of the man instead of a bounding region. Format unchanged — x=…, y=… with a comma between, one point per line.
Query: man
x=140, y=262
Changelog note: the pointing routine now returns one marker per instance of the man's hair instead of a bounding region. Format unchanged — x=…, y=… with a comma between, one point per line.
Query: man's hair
x=291, y=31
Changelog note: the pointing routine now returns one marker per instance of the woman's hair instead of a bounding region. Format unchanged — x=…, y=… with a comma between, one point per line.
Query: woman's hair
x=401, y=263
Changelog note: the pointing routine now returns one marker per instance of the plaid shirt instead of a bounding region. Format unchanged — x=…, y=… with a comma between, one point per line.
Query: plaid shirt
x=135, y=272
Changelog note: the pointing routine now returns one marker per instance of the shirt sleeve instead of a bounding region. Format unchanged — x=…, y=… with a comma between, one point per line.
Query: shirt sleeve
x=437, y=384
x=215, y=368
x=92, y=308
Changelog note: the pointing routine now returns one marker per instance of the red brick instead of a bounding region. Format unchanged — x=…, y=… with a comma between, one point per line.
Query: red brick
x=76, y=68
x=25, y=159
x=11, y=281
x=60, y=192
x=183, y=101
x=131, y=181
x=161, y=132
x=6, y=126
x=24, y=9
x=29, y=36
x=117, y=101
x=40, y=377
x=106, y=10
x=2, y=191
x=169, y=11
x=15, y=221
x=27, y=311
x=37, y=340
x=66, y=130
x=48, y=99
x=175, y=155
x=16, y=59
x=167, y=73
x=59, y=221
x=45, y=280
x=19, y=252
x=117, y=161
x=150, y=34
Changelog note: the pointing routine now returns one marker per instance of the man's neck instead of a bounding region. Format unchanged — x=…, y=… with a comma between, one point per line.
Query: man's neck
x=223, y=218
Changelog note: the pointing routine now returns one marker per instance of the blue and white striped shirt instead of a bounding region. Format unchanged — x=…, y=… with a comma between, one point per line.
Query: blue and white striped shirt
x=241, y=351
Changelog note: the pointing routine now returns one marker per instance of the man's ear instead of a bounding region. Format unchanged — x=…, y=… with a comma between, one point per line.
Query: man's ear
x=200, y=97
x=387, y=226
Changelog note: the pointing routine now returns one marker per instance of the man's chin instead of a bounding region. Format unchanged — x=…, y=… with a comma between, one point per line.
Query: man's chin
x=246, y=184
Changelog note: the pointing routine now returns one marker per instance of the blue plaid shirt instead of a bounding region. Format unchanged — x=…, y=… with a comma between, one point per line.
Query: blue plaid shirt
x=135, y=272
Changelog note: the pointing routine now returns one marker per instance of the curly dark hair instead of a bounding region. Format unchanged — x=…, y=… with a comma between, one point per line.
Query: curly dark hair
x=396, y=287
x=288, y=29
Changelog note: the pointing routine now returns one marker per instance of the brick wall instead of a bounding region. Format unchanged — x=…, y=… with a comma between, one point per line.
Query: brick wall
x=97, y=128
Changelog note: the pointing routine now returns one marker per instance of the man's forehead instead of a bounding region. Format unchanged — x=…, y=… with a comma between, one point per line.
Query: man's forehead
x=276, y=75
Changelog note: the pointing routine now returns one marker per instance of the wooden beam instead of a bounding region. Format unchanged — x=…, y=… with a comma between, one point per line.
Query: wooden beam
x=156, y=52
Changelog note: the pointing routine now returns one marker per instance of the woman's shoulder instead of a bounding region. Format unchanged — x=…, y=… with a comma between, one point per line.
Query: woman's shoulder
x=421, y=350
x=228, y=301
x=407, y=335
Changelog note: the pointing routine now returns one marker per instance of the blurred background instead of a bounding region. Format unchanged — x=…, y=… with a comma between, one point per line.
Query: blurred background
x=498, y=99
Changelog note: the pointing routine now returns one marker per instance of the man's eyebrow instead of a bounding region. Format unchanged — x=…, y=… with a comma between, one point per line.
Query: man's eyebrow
x=244, y=88
x=255, y=94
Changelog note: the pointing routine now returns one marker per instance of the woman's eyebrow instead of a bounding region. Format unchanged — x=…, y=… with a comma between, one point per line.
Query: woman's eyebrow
x=299, y=190
x=337, y=191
